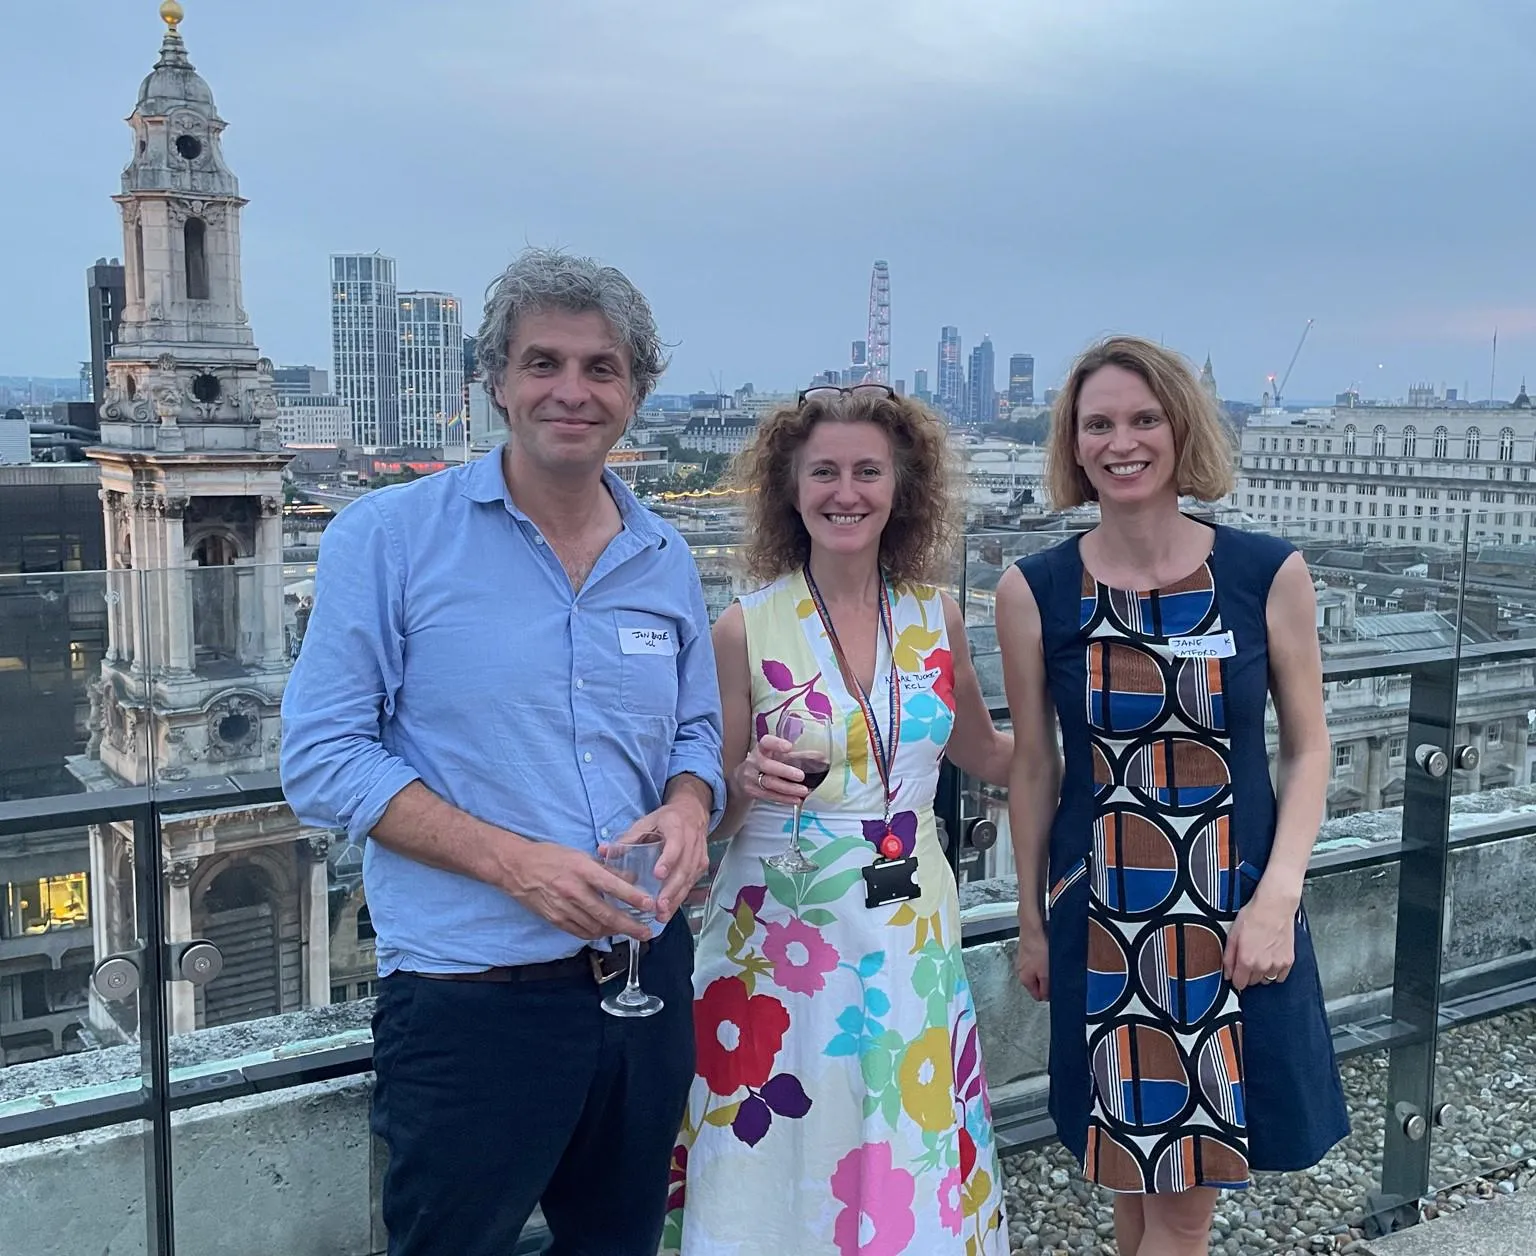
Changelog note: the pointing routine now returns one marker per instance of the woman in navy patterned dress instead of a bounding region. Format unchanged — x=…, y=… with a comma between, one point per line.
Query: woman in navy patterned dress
x=1189, y=1041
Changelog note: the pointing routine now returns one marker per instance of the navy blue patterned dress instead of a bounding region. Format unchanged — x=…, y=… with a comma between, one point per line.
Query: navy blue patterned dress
x=1162, y=1076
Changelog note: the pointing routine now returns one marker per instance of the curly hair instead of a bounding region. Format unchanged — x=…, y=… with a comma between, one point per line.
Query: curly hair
x=918, y=542
x=1201, y=443
x=550, y=279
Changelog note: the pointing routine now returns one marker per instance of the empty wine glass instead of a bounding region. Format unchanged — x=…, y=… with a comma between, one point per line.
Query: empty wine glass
x=635, y=862
x=810, y=736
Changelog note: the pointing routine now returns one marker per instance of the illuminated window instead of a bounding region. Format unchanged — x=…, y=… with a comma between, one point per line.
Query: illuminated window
x=44, y=905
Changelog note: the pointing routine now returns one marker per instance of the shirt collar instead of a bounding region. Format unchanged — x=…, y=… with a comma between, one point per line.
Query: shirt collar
x=486, y=483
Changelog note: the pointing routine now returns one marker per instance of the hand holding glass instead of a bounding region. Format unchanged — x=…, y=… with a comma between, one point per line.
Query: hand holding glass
x=635, y=862
x=810, y=736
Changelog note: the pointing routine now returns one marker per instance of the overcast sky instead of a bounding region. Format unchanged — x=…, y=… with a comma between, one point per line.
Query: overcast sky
x=1210, y=172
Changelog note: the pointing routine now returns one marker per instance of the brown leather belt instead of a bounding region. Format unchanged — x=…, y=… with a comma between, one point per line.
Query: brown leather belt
x=601, y=966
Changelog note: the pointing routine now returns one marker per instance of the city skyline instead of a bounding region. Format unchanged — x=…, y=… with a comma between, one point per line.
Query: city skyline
x=1261, y=185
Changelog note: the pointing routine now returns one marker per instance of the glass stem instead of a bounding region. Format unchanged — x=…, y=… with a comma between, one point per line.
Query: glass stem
x=632, y=987
x=794, y=832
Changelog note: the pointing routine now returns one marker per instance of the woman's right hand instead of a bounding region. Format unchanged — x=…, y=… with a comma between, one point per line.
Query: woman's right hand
x=763, y=775
x=1033, y=961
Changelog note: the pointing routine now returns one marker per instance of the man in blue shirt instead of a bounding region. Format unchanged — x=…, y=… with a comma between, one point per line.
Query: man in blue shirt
x=508, y=668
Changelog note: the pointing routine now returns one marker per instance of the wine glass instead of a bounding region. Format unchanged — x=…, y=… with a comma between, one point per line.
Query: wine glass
x=635, y=862
x=810, y=735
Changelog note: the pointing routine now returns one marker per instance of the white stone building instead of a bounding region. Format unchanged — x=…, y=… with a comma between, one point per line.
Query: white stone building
x=1383, y=473
x=719, y=432
x=319, y=420
x=196, y=660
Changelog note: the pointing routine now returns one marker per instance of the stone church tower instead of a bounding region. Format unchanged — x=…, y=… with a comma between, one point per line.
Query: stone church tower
x=198, y=646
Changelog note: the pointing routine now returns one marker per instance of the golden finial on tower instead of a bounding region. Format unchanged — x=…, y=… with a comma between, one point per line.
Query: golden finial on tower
x=171, y=14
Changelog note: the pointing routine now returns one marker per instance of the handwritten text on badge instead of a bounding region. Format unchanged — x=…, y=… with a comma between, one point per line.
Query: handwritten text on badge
x=647, y=641
x=1213, y=645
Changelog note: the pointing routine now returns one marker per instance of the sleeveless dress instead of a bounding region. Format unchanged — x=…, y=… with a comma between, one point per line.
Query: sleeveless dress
x=1162, y=1076
x=840, y=1106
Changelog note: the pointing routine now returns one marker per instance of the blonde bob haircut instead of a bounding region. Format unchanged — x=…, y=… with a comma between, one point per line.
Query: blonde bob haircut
x=918, y=543
x=1202, y=445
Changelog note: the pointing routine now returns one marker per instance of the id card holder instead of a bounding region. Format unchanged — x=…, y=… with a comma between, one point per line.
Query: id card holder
x=891, y=881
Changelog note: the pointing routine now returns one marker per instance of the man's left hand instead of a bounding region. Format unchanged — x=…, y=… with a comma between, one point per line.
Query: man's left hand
x=684, y=827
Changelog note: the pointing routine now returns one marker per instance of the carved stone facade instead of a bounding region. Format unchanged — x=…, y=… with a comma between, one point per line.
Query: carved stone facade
x=192, y=491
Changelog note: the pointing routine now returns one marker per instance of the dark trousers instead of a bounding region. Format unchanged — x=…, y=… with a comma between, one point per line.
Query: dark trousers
x=493, y=1098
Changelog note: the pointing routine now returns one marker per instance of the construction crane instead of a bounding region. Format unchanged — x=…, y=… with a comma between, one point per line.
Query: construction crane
x=1278, y=389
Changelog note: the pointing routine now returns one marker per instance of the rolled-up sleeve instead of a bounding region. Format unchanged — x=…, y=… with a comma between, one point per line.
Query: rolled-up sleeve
x=337, y=772
x=696, y=748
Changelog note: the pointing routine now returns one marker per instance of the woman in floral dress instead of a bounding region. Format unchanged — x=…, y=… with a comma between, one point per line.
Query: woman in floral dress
x=840, y=1106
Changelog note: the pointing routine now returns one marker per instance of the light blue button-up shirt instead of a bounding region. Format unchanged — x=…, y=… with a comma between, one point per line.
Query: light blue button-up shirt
x=446, y=646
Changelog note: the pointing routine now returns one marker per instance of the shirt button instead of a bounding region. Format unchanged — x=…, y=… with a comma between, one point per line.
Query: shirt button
x=603, y=833
x=537, y=539
x=580, y=683
x=587, y=758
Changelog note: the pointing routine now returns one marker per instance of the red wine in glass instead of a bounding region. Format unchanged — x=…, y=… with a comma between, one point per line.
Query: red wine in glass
x=814, y=766
x=810, y=736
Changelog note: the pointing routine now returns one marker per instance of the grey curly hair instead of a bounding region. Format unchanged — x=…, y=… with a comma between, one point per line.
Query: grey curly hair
x=552, y=279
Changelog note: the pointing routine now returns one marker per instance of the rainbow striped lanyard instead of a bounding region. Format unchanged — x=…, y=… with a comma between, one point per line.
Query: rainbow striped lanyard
x=885, y=761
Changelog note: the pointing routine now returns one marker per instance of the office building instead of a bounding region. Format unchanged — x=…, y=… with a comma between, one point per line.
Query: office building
x=300, y=381
x=1021, y=380
x=365, y=345
x=322, y=419
x=106, y=293
x=981, y=393
x=1405, y=474
x=950, y=377
x=431, y=367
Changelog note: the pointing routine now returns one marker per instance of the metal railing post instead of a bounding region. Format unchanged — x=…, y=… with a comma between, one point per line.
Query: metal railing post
x=1416, y=987
x=154, y=1040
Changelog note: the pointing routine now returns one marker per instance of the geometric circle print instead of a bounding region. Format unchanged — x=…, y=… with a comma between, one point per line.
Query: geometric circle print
x=1162, y=1026
x=1199, y=1160
x=1179, y=967
x=1107, y=969
x=1110, y=1163
x=1125, y=687
x=1139, y=1075
x=1176, y=773
x=1197, y=685
x=1103, y=773
x=1213, y=865
x=1175, y=610
x=1182, y=607
x=1219, y=1074
x=1135, y=865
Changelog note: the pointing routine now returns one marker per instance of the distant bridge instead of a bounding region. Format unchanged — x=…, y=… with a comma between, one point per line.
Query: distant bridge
x=331, y=499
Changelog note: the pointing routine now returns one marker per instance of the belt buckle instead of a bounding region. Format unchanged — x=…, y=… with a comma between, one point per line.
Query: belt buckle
x=596, y=958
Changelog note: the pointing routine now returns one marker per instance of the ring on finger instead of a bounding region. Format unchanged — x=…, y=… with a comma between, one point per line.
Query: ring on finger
x=1269, y=977
x=760, y=780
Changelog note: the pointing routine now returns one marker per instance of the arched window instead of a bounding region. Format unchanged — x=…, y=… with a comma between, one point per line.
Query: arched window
x=1474, y=443
x=1410, y=441
x=195, y=237
x=1349, y=439
x=138, y=261
x=1442, y=439
x=1379, y=441
x=1507, y=445
x=215, y=613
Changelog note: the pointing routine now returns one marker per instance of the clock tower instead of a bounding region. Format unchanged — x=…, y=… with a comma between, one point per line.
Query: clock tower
x=198, y=628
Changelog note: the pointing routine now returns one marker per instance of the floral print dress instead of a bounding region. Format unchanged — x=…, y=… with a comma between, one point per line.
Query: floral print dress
x=840, y=1107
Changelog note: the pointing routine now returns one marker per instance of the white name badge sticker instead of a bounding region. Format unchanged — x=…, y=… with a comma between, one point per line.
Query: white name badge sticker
x=913, y=682
x=1213, y=645
x=647, y=641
